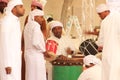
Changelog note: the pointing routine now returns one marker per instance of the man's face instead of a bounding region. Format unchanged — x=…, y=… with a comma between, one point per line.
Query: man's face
x=57, y=31
x=39, y=19
x=33, y=7
x=103, y=14
x=19, y=10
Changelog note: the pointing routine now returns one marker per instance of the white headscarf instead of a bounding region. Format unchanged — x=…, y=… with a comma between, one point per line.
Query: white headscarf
x=37, y=3
x=91, y=59
x=102, y=8
x=53, y=24
x=11, y=5
x=35, y=12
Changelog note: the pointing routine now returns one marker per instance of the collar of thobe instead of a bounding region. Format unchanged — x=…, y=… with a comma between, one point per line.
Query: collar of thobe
x=56, y=38
x=107, y=16
x=15, y=17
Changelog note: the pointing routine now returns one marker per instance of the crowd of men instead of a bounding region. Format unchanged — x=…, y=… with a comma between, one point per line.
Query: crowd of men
x=36, y=35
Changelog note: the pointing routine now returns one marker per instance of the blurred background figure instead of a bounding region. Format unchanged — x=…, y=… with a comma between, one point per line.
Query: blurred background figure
x=3, y=4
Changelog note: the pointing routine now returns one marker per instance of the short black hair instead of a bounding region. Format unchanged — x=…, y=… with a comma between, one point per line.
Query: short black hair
x=39, y=8
x=49, y=19
x=2, y=6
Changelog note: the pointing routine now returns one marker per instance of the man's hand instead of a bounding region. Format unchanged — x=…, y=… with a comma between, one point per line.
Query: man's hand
x=46, y=54
x=100, y=48
x=69, y=51
x=62, y=57
x=8, y=70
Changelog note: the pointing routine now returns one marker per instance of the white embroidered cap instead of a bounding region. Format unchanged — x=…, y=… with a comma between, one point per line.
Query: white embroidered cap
x=37, y=3
x=91, y=59
x=35, y=12
x=55, y=24
x=101, y=8
x=12, y=4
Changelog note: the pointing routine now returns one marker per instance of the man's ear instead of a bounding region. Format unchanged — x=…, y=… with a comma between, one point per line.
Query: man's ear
x=88, y=66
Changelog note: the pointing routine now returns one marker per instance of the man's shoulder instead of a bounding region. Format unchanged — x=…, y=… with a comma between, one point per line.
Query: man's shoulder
x=6, y=21
x=32, y=24
x=94, y=68
x=66, y=38
x=115, y=14
x=51, y=38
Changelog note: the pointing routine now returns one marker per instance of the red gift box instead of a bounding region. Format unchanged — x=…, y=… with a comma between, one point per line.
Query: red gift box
x=51, y=46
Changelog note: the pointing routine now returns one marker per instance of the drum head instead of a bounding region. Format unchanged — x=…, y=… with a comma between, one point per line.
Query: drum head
x=88, y=47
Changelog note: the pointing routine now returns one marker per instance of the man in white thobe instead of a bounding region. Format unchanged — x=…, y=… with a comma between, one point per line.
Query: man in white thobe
x=109, y=38
x=10, y=42
x=64, y=42
x=93, y=68
x=3, y=4
x=65, y=45
x=34, y=47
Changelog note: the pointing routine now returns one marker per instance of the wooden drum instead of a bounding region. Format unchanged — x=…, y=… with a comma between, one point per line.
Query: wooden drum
x=68, y=69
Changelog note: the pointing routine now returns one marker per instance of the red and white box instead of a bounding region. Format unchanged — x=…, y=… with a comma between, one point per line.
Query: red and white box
x=51, y=46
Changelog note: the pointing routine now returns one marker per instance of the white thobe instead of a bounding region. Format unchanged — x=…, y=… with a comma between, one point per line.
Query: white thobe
x=10, y=47
x=63, y=43
x=110, y=39
x=92, y=73
x=34, y=48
